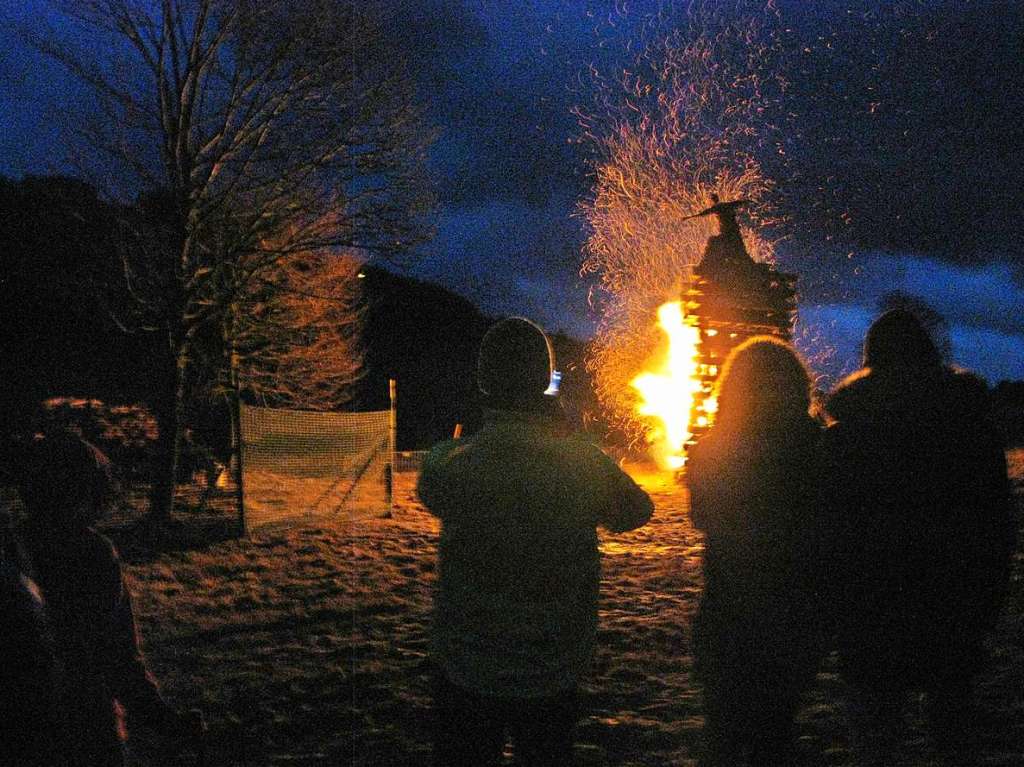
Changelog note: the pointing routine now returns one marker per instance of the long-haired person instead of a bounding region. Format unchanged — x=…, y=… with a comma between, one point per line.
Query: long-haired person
x=28, y=690
x=754, y=485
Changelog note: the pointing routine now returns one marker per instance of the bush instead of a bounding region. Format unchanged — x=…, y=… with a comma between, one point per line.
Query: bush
x=126, y=433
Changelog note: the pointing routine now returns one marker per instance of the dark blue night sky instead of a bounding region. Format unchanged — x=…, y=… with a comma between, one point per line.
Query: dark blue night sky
x=906, y=172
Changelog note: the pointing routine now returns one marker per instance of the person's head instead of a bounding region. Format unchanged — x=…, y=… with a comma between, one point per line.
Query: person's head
x=65, y=482
x=514, y=366
x=899, y=341
x=763, y=381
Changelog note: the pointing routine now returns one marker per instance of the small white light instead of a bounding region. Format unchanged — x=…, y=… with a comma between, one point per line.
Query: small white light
x=556, y=380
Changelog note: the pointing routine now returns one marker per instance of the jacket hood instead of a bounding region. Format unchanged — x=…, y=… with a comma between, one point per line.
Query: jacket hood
x=515, y=363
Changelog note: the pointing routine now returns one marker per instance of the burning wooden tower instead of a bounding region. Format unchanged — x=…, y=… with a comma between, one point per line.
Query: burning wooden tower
x=731, y=298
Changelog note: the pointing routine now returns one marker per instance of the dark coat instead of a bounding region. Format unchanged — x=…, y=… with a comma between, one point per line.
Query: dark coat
x=924, y=529
x=759, y=631
x=88, y=608
x=28, y=695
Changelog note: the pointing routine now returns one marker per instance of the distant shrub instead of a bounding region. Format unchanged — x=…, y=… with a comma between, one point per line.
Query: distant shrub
x=126, y=433
x=1015, y=465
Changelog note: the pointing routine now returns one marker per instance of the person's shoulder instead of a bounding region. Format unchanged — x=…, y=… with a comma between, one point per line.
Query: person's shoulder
x=968, y=386
x=721, y=444
x=698, y=454
x=443, y=449
x=580, y=448
x=576, y=459
x=441, y=454
x=100, y=554
x=807, y=434
x=850, y=394
x=100, y=545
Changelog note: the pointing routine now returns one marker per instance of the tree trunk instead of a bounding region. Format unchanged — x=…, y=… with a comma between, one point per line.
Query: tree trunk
x=236, y=421
x=170, y=418
x=234, y=400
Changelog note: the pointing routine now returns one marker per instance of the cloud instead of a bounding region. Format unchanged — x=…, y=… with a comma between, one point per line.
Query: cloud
x=829, y=336
x=996, y=355
x=34, y=92
x=984, y=306
x=513, y=257
x=904, y=123
x=986, y=295
x=503, y=98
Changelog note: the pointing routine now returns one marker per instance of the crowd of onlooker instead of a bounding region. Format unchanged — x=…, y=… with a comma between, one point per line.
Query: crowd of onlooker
x=880, y=526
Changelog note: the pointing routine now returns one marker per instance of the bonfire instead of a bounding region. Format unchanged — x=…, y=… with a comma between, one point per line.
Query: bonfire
x=684, y=132
x=731, y=298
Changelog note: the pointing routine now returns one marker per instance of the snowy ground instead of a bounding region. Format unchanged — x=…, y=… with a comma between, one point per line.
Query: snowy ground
x=308, y=646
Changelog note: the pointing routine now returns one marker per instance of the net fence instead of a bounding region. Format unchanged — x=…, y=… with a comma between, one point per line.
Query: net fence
x=410, y=461
x=299, y=463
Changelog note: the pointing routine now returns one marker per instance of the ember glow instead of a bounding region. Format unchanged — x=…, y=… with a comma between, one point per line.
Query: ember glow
x=667, y=389
x=685, y=123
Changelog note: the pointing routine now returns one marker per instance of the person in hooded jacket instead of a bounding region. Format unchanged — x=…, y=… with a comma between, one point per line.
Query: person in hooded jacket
x=925, y=530
x=66, y=484
x=515, y=612
x=755, y=484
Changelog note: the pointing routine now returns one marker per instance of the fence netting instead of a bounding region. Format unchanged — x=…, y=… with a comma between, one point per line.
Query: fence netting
x=298, y=463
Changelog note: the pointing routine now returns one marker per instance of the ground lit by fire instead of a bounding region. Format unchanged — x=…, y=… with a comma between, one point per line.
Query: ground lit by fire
x=309, y=646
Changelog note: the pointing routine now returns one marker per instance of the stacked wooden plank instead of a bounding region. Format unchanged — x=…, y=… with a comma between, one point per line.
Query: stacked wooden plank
x=730, y=303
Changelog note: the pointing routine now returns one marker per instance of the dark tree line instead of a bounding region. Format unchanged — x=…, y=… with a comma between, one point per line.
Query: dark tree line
x=427, y=339
x=61, y=341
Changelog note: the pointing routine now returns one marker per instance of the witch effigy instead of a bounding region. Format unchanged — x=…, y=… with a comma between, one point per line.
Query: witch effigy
x=725, y=250
x=731, y=298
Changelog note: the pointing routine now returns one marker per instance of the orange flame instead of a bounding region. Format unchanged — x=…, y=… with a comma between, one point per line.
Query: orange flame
x=667, y=389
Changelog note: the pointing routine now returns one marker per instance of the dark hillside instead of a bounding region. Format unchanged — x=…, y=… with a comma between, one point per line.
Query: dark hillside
x=426, y=338
x=57, y=246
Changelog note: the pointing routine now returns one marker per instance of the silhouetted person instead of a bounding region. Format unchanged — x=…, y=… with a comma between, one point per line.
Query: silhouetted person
x=925, y=529
x=755, y=482
x=28, y=690
x=515, y=614
x=66, y=485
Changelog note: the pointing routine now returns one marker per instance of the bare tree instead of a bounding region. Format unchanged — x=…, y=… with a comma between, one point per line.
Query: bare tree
x=260, y=135
x=295, y=337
